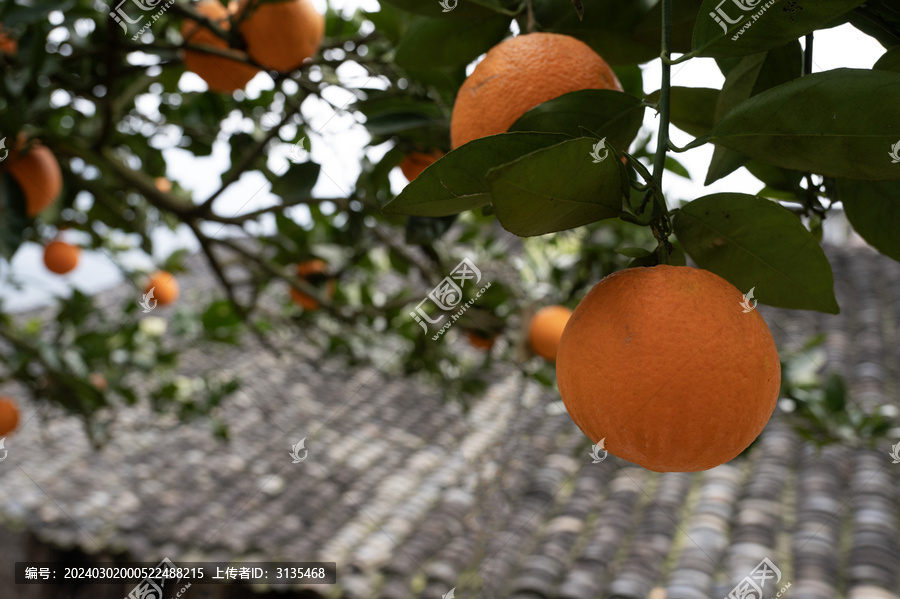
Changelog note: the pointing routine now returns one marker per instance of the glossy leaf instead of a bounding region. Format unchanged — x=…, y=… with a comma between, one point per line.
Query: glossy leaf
x=440, y=42
x=557, y=188
x=458, y=181
x=608, y=113
x=873, y=208
x=756, y=243
x=691, y=108
x=832, y=123
x=751, y=26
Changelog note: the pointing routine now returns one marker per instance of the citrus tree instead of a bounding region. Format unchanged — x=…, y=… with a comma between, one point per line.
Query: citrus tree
x=94, y=99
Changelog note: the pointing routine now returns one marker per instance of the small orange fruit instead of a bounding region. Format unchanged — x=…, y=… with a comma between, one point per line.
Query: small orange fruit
x=664, y=365
x=9, y=416
x=164, y=286
x=7, y=44
x=315, y=272
x=415, y=162
x=518, y=74
x=98, y=381
x=162, y=184
x=37, y=172
x=545, y=330
x=281, y=35
x=61, y=257
x=480, y=340
x=221, y=74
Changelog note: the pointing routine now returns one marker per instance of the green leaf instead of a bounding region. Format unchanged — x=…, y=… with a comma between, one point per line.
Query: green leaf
x=758, y=73
x=611, y=114
x=631, y=252
x=873, y=208
x=761, y=26
x=755, y=243
x=297, y=183
x=691, y=108
x=441, y=42
x=464, y=9
x=889, y=61
x=606, y=27
x=774, y=177
x=835, y=393
x=723, y=163
x=13, y=215
x=830, y=123
x=632, y=79
x=557, y=188
x=676, y=167
x=458, y=181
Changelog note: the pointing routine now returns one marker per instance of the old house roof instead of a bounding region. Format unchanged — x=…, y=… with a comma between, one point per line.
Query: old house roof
x=412, y=497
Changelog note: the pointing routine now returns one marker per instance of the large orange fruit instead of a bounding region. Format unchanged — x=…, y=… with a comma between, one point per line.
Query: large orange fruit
x=164, y=286
x=664, y=364
x=61, y=257
x=9, y=416
x=220, y=74
x=545, y=330
x=37, y=172
x=518, y=74
x=415, y=162
x=281, y=35
x=313, y=271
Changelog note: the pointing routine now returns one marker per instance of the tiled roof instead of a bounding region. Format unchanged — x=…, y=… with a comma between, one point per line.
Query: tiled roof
x=411, y=496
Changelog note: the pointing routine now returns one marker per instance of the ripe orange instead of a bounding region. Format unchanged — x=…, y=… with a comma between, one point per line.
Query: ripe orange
x=220, y=74
x=9, y=416
x=162, y=184
x=315, y=272
x=545, y=330
x=480, y=340
x=37, y=172
x=281, y=35
x=165, y=287
x=7, y=44
x=518, y=74
x=664, y=364
x=61, y=257
x=416, y=162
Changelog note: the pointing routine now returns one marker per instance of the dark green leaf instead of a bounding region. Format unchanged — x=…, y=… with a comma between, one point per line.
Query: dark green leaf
x=611, y=114
x=440, y=42
x=461, y=9
x=297, y=183
x=832, y=123
x=557, y=188
x=873, y=208
x=632, y=79
x=889, y=61
x=774, y=177
x=757, y=73
x=755, y=243
x=633, y=252
x=684, y=15
x=723, y=163
x=835, y=393
x=676, y=167
x=425, y=230
x=691, y=108
x=458, y=181
x=726, y=29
